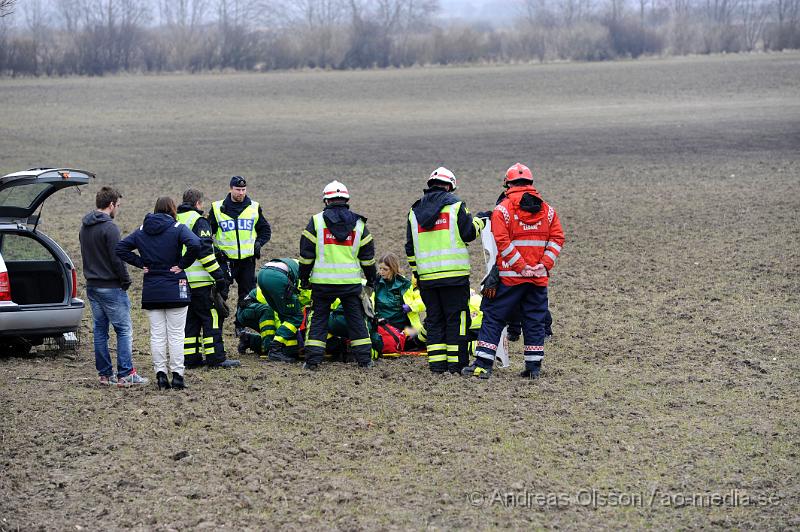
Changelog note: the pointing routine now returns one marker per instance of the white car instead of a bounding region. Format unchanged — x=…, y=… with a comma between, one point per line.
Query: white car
x=38, y=281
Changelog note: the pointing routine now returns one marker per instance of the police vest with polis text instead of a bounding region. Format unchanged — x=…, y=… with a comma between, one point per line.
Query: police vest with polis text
x=236, y=237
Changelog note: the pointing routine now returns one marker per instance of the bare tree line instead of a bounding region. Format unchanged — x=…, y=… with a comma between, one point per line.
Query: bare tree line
x=94, y=37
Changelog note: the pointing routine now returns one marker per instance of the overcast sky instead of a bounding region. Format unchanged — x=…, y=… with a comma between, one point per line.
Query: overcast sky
x=491, y=10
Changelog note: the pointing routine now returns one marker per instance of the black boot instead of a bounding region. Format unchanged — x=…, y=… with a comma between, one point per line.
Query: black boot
x=177, y=381
x=163, y=382
x=531, y=371
x=276, y=353
x=476, y=370
x=226, y=364
x=244, y=343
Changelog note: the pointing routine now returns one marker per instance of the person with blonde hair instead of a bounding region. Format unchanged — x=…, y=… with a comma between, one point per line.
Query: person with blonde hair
x=396, y=300
x=165, y=290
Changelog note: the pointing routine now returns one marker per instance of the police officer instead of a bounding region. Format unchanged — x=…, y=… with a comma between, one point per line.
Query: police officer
x=240, y=231
x=334, y=249
x=439, y=227
x=202, y=275
x=529, y=237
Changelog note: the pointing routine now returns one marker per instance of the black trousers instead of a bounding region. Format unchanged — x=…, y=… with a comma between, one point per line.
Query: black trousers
x=244, y=273
x=447, y=322
x=360, y=342
x=202, y=316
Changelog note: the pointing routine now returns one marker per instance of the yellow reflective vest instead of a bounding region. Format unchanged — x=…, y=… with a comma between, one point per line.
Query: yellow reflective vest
x=236, y=237
x=439, y=251
x=336, y=261
x=198, y=274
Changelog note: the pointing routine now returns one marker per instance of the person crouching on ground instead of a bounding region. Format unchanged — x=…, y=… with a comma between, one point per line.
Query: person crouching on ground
x=529, y=237
x=165, y=290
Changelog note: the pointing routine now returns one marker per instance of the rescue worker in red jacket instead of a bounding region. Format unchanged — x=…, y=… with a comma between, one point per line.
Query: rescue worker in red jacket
x=438, y=230
x=529, y=239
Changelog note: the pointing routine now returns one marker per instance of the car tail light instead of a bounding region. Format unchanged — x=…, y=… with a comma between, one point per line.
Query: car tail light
x=5, y=287
x=74, y=283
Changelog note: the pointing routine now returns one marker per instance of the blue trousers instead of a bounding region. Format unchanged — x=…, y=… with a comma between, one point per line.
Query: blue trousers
x=524, y=302
x=111, y=306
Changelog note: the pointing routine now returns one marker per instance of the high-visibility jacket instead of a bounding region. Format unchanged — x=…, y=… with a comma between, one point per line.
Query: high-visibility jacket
x=199, y=273
x=336, y=261
x=439, y=251
x=236, y=237
x=525, y=238
x=413, y=299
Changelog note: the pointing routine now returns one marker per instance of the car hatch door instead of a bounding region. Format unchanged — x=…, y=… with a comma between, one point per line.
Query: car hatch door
x=21, y=193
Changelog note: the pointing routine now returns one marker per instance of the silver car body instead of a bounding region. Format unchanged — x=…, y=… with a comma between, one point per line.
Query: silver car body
x=24, y=316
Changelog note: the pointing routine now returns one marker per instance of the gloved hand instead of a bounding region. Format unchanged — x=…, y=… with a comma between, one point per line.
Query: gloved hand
x=490, y=283
x=406, y=308
x=257, y=253
x=223, y=287
x=484, y=214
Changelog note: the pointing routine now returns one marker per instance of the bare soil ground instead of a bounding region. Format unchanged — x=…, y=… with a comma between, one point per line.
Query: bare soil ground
x=672, y=376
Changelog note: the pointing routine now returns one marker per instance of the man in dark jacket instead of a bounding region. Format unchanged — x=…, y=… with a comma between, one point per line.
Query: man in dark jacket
x=203, y=275
x=439, y=227
x=335, y=248
x=107, y=280
x=240, y=231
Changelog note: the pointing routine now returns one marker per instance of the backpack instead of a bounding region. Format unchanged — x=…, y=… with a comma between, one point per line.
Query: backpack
x=394, y=339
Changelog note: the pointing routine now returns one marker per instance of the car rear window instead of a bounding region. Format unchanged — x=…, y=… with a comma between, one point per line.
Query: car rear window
x=21, y=196
x=18, y=247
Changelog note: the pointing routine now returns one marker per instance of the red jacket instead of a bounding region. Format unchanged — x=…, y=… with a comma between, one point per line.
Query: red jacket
x=525, y=238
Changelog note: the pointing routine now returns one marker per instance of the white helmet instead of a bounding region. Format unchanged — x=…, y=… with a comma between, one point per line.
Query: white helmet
x=443, y=175
x=335, y=189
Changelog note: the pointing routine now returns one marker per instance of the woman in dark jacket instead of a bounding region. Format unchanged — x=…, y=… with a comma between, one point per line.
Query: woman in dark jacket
x=165, y=290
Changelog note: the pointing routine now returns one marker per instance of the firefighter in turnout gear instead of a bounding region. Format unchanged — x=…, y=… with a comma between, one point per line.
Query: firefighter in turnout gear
x=529, y=237
x=203, y=275
x=240, y=231
x=335, y=248
x=439, y=227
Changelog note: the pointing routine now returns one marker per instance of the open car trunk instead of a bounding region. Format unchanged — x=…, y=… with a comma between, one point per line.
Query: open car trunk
x=36, y=276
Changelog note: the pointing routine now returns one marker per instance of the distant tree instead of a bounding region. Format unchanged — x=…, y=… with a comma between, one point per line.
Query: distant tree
x=786, y=33
x=754, y=15
x=318, y=21
x=6, y=7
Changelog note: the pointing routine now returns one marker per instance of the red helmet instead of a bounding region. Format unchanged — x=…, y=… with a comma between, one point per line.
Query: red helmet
x=517, y=172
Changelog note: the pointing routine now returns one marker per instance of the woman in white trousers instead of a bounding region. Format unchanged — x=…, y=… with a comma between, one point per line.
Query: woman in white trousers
x=167, y=335
x=166, y=248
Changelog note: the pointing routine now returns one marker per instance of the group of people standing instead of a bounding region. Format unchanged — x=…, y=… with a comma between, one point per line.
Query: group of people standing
x=189, y=262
